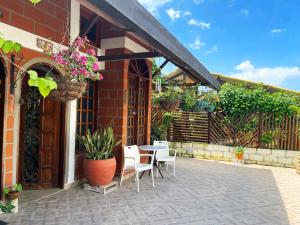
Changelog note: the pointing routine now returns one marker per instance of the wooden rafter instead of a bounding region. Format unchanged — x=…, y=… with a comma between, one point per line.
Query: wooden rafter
x=140, y=55
x=89, y=25
x=160, y=68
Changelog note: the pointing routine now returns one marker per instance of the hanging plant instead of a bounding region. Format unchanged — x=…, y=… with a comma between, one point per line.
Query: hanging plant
x=8, y=46
x=44, y=84
x=80, y=65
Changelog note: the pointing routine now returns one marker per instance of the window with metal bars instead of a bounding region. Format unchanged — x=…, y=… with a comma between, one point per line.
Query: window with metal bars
x=86, y=108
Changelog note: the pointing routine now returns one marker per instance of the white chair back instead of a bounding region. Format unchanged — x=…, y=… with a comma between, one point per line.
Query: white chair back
x=131, y=152
x=162, y=153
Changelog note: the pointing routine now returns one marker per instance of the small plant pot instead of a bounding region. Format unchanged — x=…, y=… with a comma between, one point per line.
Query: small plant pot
x=239, y=156
x=12, y=195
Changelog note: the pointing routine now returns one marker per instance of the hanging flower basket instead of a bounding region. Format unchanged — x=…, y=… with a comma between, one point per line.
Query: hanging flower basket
x=79, y=69
x=169, y=106
x=67, y=90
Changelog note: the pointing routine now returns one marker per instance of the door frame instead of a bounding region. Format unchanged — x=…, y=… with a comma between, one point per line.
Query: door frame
x=62, y=143
x=2, y=112
x=138, y=78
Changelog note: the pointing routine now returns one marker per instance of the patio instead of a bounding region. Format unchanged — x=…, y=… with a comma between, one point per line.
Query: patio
x=203, y=192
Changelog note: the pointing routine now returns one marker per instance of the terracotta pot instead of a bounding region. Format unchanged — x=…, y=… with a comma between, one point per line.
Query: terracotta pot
x=12, y=195
x=239, y=156
x=99, y=172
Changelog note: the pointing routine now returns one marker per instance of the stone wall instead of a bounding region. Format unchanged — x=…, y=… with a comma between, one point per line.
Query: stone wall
x=269, y=157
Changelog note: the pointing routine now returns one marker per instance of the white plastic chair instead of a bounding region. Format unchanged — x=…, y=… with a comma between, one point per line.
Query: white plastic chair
x=164, y=156
x=132, y=161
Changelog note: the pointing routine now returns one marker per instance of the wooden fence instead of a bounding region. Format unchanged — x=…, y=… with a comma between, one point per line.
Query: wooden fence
x=281, y=133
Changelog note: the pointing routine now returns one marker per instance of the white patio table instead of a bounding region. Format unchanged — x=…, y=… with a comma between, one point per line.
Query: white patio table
x=153, y=149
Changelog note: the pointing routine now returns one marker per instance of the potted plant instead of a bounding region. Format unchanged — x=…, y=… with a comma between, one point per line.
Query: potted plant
x=169, y=99
x=239, y=153
x=14, y=192
x=6, y=207
x=99, y=165
x=79, y=69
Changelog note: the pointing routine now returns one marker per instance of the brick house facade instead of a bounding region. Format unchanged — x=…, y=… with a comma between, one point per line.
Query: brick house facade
x=38, y=145
x=24, y=23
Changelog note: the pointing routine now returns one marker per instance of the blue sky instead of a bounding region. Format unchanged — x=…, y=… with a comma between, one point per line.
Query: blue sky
x=256, y=40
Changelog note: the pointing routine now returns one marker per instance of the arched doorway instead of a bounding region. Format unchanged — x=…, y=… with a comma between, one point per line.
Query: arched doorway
x=41, y=137
x=138, y=85
x=2, y=100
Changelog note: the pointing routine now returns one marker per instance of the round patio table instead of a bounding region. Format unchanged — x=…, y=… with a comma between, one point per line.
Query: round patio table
x=153, y=149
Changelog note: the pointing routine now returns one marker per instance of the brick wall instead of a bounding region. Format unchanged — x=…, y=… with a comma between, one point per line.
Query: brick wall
x=47, y=19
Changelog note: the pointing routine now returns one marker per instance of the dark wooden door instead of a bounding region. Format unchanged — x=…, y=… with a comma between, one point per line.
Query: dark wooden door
x=49, y=143
x=2, y=96
x=40, y=140
x=138, y=82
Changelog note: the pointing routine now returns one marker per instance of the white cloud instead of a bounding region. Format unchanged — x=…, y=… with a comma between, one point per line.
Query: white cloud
x=187, y=13
x=198, y=1
x=244, y=12
x=268, y=75
x=198, y=23
x=152, y=6
x=197, y=44
x=173, y=14
x=212, y=49
x=277, y=30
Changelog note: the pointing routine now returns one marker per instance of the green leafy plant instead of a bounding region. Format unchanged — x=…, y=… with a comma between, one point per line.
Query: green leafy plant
x=171, y=95
x=99, y=144
x=14, y=188
x=6, y=208
x=266, y=138
x=44, y=84
x=159, y=131
x=239, y=150
x=8, y=46
x=35, y=1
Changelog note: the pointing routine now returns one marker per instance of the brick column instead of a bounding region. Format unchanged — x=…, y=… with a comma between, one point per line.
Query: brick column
x=112, y=105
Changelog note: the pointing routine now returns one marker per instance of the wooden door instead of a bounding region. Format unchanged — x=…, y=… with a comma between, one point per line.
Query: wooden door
x=137, y=102
x=2, y=97
x=49, y=143
x=40, y=140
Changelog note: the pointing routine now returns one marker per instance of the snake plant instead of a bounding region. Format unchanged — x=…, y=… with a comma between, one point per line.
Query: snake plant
x=99, y=144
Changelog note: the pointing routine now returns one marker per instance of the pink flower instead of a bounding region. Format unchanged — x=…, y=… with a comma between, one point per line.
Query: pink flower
x=74, y=72
x=83, y=71
x=91, y=51
x=95, y=66
x=76, y=56
x=100, y=77
x=83, y=60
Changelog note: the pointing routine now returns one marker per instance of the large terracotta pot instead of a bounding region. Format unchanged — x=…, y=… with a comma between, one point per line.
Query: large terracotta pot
x=99, y=172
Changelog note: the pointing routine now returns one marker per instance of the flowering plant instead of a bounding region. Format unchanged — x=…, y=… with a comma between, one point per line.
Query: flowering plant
x=79, y=67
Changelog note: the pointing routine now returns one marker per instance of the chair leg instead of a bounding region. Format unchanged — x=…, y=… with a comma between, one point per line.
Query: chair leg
x=174, y=168
x=137, y=181
x=152, y=177
x=122, y=176
x=166, y=166
x=157, y=164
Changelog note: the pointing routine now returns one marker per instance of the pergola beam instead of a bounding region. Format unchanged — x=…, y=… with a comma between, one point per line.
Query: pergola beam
x=89, y=25
x=140, y=55
x=160, y=68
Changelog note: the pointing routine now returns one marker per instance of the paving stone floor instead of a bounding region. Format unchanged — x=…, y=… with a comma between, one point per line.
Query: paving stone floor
x=202, y=193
